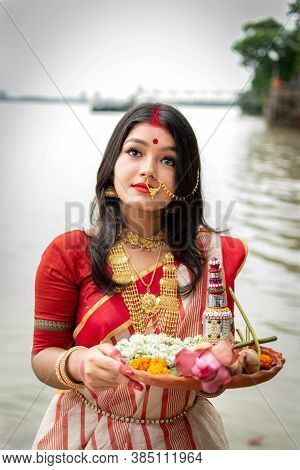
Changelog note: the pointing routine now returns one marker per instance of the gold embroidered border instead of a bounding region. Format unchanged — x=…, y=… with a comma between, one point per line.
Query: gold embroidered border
x=116, y=331
x=89, y=313
x=51, y=325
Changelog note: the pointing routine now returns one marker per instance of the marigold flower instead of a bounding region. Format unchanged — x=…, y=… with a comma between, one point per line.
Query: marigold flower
x=157, y=369
x=141, y=363
x=152, y=366
x=265, y=361
x=159, y=361
x=158, y=366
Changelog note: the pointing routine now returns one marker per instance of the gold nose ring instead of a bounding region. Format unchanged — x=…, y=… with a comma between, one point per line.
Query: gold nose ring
x=152, y=191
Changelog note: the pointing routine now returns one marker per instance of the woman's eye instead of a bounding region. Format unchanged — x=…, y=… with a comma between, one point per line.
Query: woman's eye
x=129, y=151
x=133, y=153
x=170, y=159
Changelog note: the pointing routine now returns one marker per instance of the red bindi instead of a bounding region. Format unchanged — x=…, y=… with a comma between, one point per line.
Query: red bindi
x=155, y=141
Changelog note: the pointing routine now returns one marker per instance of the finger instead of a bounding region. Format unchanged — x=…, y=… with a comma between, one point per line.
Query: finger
x=105, y=361
x=128, y=372
x=100, y=366
x=115, y=354
x=119, y=378
x=109, y=351
x=112, y=352
x=124, y=369
x=108, y=375
x=136, y=385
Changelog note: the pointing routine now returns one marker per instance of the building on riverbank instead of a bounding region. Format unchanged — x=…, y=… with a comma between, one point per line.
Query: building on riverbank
x=282, y=106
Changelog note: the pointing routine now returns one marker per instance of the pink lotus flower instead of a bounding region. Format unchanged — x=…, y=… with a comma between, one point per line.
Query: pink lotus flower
x=185, y=360
x=223, y=351
x=221, y=378
x=206, y=366
x=209, y=364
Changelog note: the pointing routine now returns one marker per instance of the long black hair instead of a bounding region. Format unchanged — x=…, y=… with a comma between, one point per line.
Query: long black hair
x=182, y=219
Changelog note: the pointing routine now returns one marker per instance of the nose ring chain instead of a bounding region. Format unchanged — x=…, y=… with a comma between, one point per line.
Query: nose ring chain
x=154, y=191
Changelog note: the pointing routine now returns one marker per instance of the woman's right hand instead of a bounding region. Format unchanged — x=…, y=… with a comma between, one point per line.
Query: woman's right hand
x=101, y=367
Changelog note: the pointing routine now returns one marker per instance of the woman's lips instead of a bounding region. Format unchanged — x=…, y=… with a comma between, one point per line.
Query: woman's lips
x=141, y=189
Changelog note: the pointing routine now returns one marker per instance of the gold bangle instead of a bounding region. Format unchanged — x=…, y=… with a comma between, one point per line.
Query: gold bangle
x=61, y=369
x=210, y=395
x=57, y=372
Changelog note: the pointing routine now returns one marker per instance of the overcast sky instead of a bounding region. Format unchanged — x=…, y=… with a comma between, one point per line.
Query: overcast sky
x=112, y=46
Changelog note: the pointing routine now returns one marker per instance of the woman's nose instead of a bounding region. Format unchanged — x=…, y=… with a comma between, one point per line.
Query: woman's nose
x=148, y=169
x=147, y=173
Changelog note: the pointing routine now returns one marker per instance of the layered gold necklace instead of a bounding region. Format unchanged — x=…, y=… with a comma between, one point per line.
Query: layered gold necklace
x=143, y=307
x=149, y=302
x=137, y=241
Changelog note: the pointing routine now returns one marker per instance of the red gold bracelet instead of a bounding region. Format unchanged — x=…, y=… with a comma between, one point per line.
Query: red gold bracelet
x=60, y=369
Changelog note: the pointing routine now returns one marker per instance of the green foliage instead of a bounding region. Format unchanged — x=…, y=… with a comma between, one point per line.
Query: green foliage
x=294, y=7
x=251, y=102
x=267, y=49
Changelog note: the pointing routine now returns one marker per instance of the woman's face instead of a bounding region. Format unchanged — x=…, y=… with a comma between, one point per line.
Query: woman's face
x=147, y=150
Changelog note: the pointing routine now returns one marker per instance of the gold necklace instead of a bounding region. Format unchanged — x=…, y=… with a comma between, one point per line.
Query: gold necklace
x=137, y=241
x=149, y=301
x=168, y=306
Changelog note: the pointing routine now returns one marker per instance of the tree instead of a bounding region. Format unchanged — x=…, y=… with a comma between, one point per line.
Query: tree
x=294, y=37
x=268, y=49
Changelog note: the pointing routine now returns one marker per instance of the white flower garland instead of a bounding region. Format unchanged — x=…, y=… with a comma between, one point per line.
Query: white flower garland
x=155, y=346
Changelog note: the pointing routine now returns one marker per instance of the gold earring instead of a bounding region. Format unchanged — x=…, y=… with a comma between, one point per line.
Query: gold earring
x=111, y=192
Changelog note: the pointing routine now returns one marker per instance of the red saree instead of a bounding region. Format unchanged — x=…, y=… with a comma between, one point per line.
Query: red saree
x=70, y=310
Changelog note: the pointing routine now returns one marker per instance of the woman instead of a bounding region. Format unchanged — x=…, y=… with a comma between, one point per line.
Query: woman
x=94, y=288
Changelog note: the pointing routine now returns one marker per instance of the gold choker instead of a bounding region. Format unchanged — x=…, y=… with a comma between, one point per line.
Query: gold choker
x=146, y=243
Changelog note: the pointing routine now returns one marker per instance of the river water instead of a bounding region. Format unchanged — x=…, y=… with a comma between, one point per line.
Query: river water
x=49, y=158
